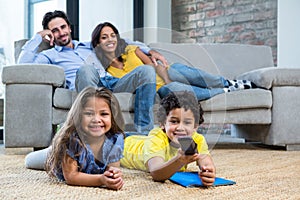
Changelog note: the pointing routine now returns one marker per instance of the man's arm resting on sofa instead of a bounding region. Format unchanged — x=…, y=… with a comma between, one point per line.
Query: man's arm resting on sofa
x=29, y=52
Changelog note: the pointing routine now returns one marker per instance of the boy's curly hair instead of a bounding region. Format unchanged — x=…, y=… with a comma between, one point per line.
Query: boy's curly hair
x=184, y=99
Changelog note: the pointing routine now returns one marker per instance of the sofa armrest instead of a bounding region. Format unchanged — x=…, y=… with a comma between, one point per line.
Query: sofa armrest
x=273, y=76
x=33, y=74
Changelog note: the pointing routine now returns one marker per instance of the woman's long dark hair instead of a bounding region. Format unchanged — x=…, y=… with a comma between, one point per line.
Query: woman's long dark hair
x=98, y=50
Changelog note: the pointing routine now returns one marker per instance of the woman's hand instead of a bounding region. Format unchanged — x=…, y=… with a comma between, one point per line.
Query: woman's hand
x=155, y=56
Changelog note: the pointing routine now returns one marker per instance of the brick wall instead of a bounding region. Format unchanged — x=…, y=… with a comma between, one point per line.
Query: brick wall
x=226, y=21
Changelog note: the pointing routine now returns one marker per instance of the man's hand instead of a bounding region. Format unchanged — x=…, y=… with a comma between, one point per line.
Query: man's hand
x=47, y=36
x=155, y=56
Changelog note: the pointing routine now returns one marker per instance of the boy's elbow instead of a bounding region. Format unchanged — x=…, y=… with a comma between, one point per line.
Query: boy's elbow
x=157, y=177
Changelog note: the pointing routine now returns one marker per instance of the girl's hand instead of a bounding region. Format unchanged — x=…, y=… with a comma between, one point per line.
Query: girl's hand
x=113, y=178
x=115, y=171
x=207, y=175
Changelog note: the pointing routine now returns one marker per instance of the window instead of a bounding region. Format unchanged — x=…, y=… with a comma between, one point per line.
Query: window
x=36, y=11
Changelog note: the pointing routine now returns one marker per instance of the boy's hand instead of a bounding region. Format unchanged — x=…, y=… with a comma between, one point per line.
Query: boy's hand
x=207, y=175
x=186, y=159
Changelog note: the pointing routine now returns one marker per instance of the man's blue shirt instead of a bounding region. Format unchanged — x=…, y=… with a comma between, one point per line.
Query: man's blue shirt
x=67, y=58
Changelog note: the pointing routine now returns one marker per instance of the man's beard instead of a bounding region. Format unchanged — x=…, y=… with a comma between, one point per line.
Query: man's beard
x=63, y=43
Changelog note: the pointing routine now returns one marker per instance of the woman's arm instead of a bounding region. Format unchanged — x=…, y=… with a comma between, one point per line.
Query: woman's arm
x=161, y=171
x=160, y=70
x=207, y=172
x=155, y=56
x=74, y=177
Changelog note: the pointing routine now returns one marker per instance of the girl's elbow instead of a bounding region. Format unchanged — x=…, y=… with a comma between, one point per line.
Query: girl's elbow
x=69, y=179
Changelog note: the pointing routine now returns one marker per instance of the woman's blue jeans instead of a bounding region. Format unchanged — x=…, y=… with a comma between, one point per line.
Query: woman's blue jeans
x=203, y=84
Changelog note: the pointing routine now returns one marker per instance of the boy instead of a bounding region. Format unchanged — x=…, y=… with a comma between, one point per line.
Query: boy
x=179, y=115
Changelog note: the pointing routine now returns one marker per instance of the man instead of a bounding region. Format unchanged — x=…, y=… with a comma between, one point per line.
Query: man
x=73, y=55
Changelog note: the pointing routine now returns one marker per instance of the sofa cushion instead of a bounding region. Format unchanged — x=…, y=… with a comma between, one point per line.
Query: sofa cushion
x=126, y=101
x=63, y=99
x=244, y=99
x=238, y=100
x=273, y=76
x=228, y=60
x=244, y=116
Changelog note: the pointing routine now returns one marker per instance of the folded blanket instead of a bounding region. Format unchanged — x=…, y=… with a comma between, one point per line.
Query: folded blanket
x=191, y=179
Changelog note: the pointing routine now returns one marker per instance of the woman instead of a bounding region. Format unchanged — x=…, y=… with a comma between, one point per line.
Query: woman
x=119, y=58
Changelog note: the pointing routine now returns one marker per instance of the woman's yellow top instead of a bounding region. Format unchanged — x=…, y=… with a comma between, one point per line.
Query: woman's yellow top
x=130, y=62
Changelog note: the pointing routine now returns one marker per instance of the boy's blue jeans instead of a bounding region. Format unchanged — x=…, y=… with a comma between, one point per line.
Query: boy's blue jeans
x=141, y=81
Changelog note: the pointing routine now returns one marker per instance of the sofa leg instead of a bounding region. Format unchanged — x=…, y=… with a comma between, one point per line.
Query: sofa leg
x=259, y=133
x=250, y=132
x=38, y=148
x=293, y=147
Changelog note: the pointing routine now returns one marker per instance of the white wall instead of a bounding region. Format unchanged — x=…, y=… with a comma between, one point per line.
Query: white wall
x=43, y=7
x=93, y=12
x=157, y=21
x=13, y=21
x=288, y=33
x=12, y=26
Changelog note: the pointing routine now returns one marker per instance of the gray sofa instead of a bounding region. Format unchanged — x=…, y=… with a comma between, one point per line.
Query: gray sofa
x=36, y=101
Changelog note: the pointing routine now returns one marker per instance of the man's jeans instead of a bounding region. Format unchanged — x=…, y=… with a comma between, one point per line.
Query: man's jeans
x=203, y=84
x=141, y=81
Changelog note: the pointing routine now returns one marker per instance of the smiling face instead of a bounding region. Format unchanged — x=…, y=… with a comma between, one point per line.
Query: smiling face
x=179, y=122
x=108, y=40
x=96, y=118
x=61, y=31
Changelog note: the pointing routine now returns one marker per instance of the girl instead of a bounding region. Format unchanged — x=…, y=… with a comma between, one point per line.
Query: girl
x=87, y=150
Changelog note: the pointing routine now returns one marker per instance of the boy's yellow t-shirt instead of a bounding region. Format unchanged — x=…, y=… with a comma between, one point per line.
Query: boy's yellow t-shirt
x=130, y=62
x=139, y=149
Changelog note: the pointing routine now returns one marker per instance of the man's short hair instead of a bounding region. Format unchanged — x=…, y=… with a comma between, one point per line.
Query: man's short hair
x=51, y=15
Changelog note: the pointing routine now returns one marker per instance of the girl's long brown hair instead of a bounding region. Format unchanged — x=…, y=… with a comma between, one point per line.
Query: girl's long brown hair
x=73, y=123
